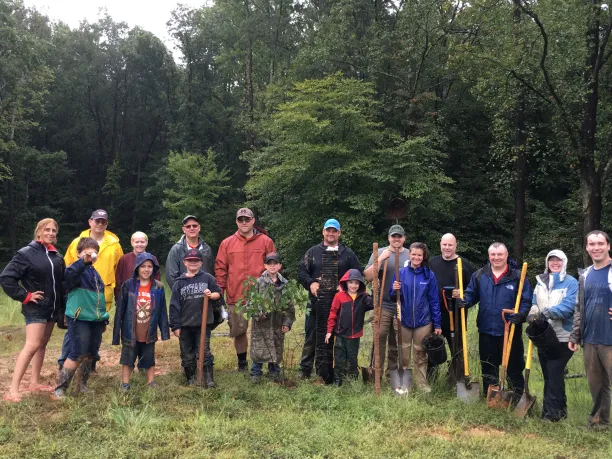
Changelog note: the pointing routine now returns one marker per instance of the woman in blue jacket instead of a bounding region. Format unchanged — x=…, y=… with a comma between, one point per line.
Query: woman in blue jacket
x=554, y=300
x=420, y=309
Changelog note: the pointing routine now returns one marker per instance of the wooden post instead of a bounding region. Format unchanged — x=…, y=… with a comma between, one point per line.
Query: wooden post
x=200, y=375
x=376, y=299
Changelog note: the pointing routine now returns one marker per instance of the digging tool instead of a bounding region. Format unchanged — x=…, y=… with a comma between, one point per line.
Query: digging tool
x=467, y=390
x=401, y=379
x=200, y=373
x=368, y=374
x=497, y=396
x=453, y=344
x=527, y=400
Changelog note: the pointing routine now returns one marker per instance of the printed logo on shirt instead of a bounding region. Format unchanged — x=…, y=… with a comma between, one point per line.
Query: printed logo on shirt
x=510, y=287
x=423, y=283
x=195, y=290
x=143, y=307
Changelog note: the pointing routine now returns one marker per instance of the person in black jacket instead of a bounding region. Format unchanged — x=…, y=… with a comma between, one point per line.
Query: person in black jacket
x=34, y=278
x=186, y=315
x=309, y=275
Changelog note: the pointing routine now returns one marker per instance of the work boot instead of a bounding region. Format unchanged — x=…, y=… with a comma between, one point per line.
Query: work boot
x=243, y=365
x=63, y=382
x=209, y=377
x=190, y=376
x=337, y=380
x=86, y=368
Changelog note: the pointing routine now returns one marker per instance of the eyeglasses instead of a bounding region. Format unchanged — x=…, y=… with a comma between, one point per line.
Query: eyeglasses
x=100, y=221
x=190, y=226
x=244, y=219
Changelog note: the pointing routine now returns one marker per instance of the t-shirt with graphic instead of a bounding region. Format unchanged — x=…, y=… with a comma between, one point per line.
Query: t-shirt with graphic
x=597, y=301
x=143, y=312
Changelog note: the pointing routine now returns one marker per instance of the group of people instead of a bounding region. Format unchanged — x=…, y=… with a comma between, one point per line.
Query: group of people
x=77, y=292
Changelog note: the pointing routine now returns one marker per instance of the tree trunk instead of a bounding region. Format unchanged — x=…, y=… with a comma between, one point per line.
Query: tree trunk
x=249, y=80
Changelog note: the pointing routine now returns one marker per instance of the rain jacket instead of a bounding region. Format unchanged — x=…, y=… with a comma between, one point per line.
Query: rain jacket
x=174, y=262
x=125, y=315
x=36, y=268
x=125, y=270
x=108, y=257
x=85, y=293
x=346, y=316
x=495, y=297
x=237, y=259
x=577, y=334
x=419, y=297
x=556, y=293
x=267, y=338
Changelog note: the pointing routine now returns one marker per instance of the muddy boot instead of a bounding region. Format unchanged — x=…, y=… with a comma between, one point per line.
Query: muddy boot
x=208, y=377
x=63, y=381
x=337, y=379
x=190, y=375
x=86, y=368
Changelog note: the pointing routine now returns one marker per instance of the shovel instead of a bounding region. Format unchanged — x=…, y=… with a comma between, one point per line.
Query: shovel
x=200, y=373
x=453, y=362
x=467, y=390
x=497, y=396
x=401, y=379
x=527, y=400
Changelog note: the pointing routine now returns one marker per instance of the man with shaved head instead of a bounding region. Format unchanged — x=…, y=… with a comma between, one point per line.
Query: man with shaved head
x=443, y=266
x=495, y=287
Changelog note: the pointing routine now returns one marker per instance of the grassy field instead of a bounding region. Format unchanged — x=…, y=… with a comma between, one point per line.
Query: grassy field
x=271, y=420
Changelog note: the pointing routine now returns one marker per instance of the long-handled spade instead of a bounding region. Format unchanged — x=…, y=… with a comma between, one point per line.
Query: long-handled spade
x=200, y=373
x=527, y=400
x=401, y=379
x=467, y=390
x=497, y=395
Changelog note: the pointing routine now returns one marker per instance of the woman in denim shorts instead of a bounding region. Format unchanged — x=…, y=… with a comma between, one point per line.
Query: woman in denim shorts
x=34, y=278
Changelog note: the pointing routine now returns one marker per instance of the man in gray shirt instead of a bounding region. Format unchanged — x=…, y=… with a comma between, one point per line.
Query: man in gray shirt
x=386, y=255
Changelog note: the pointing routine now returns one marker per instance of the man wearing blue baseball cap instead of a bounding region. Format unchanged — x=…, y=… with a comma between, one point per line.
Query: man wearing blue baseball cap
x=319, y=272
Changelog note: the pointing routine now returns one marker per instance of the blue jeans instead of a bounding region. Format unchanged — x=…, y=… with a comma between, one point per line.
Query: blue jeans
x=257, y=368
x=189, y=342
x=66, y=349
x=85, y=338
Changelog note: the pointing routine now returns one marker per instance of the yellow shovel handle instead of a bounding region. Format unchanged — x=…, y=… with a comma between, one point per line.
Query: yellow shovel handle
x=517, y=303
x=466, y=366
x=529, y=354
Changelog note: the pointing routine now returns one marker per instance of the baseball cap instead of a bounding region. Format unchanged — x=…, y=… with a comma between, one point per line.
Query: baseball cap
x=397, y=229
x=100, y=213
x=245, y=212
x=332, y=223
x=193, y=254
x=272, y=256
x=190, y=217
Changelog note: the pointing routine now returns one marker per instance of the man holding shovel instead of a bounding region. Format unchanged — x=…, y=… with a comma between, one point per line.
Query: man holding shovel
x=593, y=326
x=495, y=287
x=386, y=260
x=444, y=267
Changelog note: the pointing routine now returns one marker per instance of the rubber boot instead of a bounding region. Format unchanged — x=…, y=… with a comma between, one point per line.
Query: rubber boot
x=337, y=379
x=86, y=369
x=64, y=377
x=209, y=377
x=190, y=375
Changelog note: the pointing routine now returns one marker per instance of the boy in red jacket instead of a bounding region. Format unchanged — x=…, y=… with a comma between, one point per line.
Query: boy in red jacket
x=346, y=319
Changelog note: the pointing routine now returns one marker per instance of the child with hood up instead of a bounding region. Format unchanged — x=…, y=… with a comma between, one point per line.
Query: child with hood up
x=141, y=310
x=346, y=319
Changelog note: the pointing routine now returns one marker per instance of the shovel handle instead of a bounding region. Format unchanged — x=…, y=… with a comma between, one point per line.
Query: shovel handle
x=466, y=367
x=200, y=367
x=529, y=355
x=517, y=303
x=460, y=276
x=450, y=313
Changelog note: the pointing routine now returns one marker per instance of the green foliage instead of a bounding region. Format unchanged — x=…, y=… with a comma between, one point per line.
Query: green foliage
x=261, y=299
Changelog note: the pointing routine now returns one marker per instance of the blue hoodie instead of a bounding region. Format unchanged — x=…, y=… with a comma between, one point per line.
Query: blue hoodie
x=419, y=297
x=125, y=316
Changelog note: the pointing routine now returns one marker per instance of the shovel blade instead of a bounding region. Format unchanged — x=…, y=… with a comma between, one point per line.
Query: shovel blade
x=368, y=374
x=401, y=381
x=497, y=398
x=469, y=393
x=524, y=405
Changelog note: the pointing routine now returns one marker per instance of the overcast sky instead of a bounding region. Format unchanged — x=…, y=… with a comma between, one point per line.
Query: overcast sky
x=151, y=15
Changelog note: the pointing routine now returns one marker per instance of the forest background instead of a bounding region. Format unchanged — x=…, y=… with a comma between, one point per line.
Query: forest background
x=490, y=119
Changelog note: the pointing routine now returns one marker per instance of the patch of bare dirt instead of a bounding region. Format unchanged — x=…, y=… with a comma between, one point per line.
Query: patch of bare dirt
x=485, y=432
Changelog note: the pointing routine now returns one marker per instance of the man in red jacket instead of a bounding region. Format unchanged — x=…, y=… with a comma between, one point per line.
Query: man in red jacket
x=241, y=255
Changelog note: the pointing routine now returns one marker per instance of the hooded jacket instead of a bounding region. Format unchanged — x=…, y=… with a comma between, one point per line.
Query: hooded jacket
x=346, y=316
x=174, y=262
x=419, y=297
x=309, y=270
x=125, y=315
x=556, y=294
x=108, y=257
x=495, y=297
x=125, y=270
x=267, y=338
x=187, y=300
x=36, y=267
x=85, y=293
x=237, y=259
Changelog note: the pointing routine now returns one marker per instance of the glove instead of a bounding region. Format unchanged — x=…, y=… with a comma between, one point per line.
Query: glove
x=516, y=319
x=459, y=303
x=545, y=314
x=224, y=313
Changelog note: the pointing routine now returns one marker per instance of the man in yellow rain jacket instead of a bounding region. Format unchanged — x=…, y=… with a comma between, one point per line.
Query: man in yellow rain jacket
x=108, y=257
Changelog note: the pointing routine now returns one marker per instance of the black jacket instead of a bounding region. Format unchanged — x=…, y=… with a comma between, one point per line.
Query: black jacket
x=187, y=299
x=310, y=266
x=34, y=268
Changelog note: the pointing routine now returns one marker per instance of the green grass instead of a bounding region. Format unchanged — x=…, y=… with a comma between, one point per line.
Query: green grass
x=241, y=420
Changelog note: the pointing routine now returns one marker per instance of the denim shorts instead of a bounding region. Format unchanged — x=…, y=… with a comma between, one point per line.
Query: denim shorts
x=35, y=320
x=84, y=338
x=145, y=353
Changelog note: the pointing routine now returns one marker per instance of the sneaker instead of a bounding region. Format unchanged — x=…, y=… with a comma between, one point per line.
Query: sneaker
x=124, y=387
x=152, y=385
x=255, y=379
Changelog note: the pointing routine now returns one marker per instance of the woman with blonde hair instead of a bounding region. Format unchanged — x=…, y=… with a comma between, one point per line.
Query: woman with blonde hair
x=34, y=278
